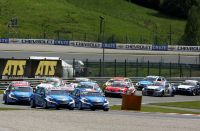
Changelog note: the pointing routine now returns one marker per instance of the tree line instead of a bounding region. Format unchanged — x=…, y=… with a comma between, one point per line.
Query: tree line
x=184, y=9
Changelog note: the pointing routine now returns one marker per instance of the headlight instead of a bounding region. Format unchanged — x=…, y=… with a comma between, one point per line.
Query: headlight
x=49, y=99
x=106, y=102
x=137, y=84
x=84, y=100
x=72, y=101
x=158, y=89
x=11, y=95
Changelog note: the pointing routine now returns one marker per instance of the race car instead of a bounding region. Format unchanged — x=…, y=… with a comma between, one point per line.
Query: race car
x=158, y=89
x=52, y=97
x=90, y=85
x=118, y=88
x=90, y=99
x=17, y=91
x=117, y=79
x=189, y=87
x=148, y=80
x=55, y=81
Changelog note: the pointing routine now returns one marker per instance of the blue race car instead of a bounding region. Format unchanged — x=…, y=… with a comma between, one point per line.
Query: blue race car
x=52, y=97
x=18, y=92
x=90, y=85
x=89, y=99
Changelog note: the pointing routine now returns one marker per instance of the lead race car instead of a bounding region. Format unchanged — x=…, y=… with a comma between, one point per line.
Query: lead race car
x=158, y=89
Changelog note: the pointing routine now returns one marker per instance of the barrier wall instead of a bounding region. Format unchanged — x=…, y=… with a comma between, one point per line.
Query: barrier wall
x=30, y=68
x=103, y=45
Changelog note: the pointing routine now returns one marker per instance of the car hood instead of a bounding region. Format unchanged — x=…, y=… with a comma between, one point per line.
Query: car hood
x=22, y=94
x=61, y=97
x=154, y=87
x=145, y=82
x=115, y=89
x=95, y=98
x=185, y=86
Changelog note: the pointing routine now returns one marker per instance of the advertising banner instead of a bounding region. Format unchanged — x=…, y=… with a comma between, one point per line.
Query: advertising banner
x=188, y=48
x=160, y=47
x=134, y=46
x=61, y=42
x=30, y=68
x=109, y=45
x=85, y=44
x=4, y=40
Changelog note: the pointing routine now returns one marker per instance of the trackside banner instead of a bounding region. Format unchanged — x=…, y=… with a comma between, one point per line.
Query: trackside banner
x=4, y=40
x=30, y=68
x=85, y=44
x=134, y=46
x=188, y=48
x=160, y=47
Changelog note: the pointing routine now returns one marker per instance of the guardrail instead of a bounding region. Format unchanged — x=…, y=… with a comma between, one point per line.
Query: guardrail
x=35, y=81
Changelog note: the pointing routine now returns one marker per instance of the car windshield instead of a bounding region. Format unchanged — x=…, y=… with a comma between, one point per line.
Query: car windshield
x=149, y=79
x=86, y=93
x=85, y=86
x=157, y=84
x=58, y=92
x=118, y=84
x=188, y=83
x=22, y=89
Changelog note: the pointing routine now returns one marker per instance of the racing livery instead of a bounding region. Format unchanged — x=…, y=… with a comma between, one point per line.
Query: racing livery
x=51, y=97
x=148, y=80
x=17, y=91
x=118, y=88
x=158, y=89
x=189, y=87
x=89, y=99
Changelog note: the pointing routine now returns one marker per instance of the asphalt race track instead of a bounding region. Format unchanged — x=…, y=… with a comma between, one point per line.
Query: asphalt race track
x=60, y=120
x=68, y=53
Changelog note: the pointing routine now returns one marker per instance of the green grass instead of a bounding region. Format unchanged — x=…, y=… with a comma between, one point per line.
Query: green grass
x=5, y=109
x=1, y=91
x=156, y=109
x=190, y=104
x=79, y=20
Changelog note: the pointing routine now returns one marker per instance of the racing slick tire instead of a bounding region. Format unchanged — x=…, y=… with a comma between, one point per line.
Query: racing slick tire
x=71, y=108
x=5, y=101
x=106, y=109
x=80, y=106
x=93, y=109
x=193, y=93
x=32, y=104
x=45, y=105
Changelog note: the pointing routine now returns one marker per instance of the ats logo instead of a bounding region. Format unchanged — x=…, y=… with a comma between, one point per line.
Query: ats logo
x=14, y=68
x=46, y=68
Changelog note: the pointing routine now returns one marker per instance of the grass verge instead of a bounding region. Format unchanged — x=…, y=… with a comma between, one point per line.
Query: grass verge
x=157, y=109
x=6, y=109
x=190, y=104
x=1, y=91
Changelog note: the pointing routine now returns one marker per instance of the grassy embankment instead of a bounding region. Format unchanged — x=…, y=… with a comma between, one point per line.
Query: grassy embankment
x=79, y=20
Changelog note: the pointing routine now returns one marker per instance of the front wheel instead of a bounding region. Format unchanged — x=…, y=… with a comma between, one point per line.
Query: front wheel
x=106, y=109
x=32, y=104
x=193, y=93
x=45, y=105
x=71, y=108
x=80, y=106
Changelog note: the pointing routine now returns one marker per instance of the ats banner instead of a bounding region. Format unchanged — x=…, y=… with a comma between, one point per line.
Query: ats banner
x=30, y=68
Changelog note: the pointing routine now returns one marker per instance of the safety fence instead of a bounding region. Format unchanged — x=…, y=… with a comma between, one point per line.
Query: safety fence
x=139, y=69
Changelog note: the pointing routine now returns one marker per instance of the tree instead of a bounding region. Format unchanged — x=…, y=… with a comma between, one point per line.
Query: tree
x=192, y=30
x=178, y=8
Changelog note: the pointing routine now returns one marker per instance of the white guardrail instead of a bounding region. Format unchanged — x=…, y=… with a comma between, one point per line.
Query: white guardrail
x=102, y=45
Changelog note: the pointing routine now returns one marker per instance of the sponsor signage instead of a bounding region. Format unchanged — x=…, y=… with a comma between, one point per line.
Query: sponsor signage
x=61, y=42
x=86, y=44
x=188, y=48
x=160, y=47
x=37, y=41
x=109, y=45
x=134, y=46
x=30, y=68
x=4, y=40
